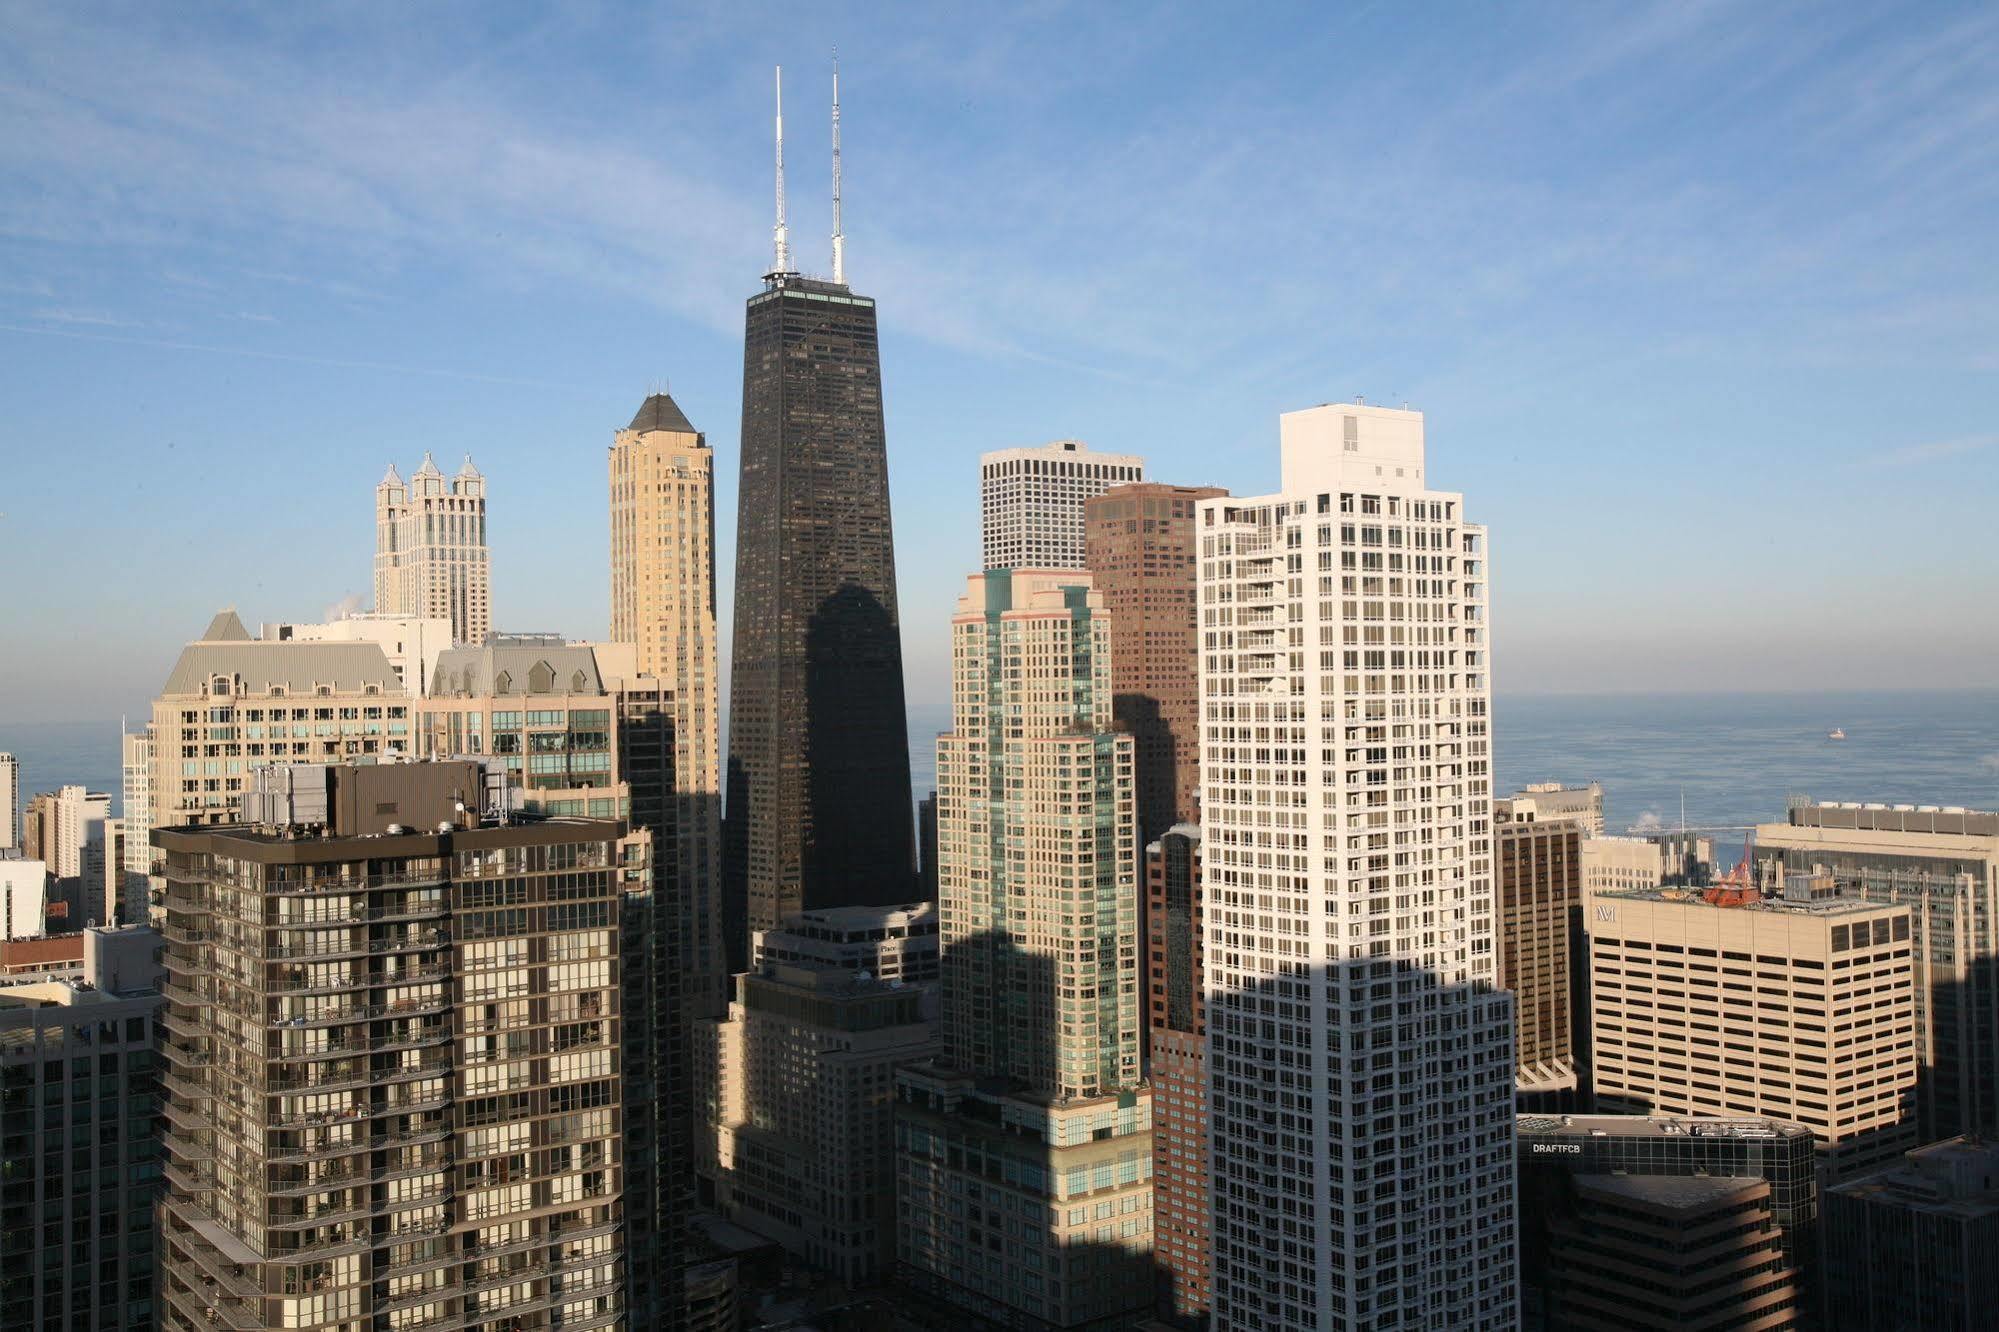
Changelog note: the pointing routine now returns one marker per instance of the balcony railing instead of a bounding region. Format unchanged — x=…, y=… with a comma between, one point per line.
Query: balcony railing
x=365, y=1012
x=360, y=1077
x=418, y=941
x=357, y=1146
x=346, y=1179
x=400, y=1040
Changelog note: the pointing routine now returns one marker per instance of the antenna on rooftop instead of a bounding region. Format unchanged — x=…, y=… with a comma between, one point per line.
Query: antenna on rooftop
x=839, y=239
x=779, y=235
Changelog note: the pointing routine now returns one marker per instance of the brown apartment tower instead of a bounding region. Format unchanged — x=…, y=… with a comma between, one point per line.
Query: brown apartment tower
x=1540, y=949
x=392, y=1092
x=1140, y=548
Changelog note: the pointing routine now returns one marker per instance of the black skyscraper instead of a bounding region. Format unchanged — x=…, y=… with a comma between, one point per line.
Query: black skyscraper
x=819, y=805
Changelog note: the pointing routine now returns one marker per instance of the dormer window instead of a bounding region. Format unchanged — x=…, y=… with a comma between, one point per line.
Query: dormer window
x=541, y=678
x=503, y=683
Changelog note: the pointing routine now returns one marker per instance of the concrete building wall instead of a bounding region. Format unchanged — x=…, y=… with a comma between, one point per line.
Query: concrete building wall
x=79, y=1096
x=24, y=899
x=10, y=803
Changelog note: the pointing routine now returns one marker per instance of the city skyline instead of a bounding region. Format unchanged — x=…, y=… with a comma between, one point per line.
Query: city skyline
x=1705, y=306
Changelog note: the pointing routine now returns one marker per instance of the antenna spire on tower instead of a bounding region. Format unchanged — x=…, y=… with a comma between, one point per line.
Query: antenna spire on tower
x=780, y=235
x=839, y=238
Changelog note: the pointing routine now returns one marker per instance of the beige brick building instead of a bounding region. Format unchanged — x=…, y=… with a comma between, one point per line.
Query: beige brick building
x=233, y=703
x=663, y=603
x=431, y=558
x=1799, y=1007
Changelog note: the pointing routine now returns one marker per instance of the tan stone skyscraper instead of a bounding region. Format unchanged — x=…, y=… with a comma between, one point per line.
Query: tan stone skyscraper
x=663, y=600
x=430, y=548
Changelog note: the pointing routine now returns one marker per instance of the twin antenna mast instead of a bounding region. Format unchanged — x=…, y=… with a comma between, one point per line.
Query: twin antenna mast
x=780, y=234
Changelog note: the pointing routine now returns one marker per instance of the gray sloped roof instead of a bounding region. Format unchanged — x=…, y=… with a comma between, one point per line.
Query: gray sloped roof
x=297, y=667
x=661, y=412
x=470, y=672
x=226, y=627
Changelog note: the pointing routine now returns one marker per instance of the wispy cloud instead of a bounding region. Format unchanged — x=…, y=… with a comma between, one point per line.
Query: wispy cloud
x=92, y=318
x=1934, y=451
x=262, y=354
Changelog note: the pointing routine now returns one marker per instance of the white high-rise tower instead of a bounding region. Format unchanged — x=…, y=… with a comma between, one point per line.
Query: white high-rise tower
x=1031, y=501
x=1360, y=1058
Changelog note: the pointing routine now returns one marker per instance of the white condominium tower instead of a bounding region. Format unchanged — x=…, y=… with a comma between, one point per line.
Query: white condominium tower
x=430, y=549
x=1031, y=501
x=10, y=802
x=1360, y=1059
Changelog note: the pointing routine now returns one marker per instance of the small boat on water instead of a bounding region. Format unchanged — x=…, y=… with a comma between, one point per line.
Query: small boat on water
x=1835, y=734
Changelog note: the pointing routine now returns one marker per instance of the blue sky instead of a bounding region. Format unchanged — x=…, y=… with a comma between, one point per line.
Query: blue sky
x=1699, y=298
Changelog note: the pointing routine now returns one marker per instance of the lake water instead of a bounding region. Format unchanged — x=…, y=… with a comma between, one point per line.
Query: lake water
x=1735, y=757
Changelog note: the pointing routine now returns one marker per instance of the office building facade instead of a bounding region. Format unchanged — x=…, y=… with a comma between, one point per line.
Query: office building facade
x=1579, y=1267
x=431, y=557
x=10, y=803
x=1548, y=802
x=1176, y=1068
x=1914, y=1247
x=1360, y=1051
x=1944, y=866
x=79, y=1107
x=819, y=809
x=392, y=1086
x=24, y=899
x=1800, y=1007
x=802, y=1143
x=1031, y=501
x=1140, y=548
x=233, y=703
x=1024, y=1152
x=1540, y=948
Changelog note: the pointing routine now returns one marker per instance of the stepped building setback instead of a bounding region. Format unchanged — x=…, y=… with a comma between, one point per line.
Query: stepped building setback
x=1024, y=1151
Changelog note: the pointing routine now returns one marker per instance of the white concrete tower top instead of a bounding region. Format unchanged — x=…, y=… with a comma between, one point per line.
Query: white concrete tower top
x=1351, y=444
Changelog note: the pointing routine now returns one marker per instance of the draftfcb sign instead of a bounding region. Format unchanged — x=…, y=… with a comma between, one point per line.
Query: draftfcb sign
x=1557, y=1149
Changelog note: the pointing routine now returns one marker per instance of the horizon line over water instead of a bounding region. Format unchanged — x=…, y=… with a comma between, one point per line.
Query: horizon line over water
x=1737, y=756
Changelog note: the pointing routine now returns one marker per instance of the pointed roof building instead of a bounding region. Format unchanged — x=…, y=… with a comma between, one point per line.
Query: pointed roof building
x=391, y=477
x=429, y=467
x=661, y=412
x=226, y=627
